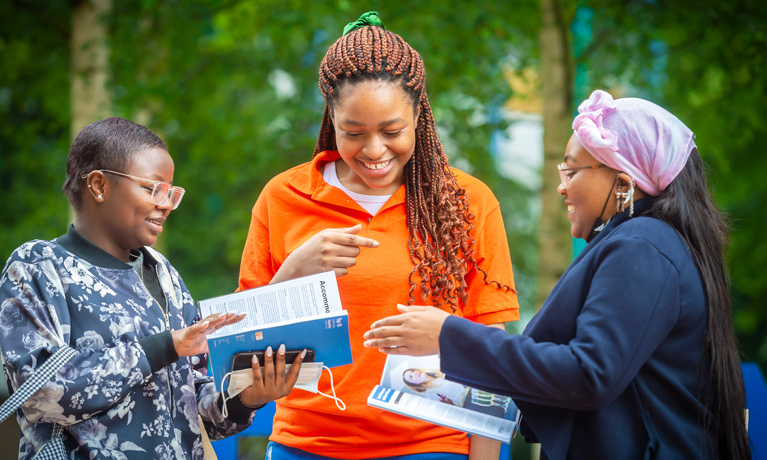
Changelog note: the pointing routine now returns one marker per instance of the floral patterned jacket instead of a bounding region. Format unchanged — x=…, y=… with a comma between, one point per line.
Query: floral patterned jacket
x=113, y=398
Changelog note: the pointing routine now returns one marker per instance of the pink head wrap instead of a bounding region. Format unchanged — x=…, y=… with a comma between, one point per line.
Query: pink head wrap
x=634, y=136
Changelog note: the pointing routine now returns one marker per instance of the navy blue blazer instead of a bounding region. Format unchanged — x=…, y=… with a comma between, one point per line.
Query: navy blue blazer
x=630, y=308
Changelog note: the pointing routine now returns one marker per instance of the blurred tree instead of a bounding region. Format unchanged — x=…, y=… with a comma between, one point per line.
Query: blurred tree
x=34, y=119
x=554, y=242
x=89, y=96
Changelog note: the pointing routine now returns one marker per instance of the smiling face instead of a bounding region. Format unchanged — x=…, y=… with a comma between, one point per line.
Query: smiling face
x=130, y=219
x=375, y=125
x=585, y=190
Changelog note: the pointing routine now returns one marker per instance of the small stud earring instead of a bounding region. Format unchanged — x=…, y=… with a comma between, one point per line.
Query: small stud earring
x=98, y=197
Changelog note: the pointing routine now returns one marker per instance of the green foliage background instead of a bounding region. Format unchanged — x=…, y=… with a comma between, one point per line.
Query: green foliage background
x=206, y=77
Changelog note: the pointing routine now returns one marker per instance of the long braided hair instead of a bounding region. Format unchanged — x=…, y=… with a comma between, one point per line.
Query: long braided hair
x=438, y=216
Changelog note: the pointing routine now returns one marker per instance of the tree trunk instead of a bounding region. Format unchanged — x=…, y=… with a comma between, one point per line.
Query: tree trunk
x=89, y=64
x=89, y=98
x=555, y=244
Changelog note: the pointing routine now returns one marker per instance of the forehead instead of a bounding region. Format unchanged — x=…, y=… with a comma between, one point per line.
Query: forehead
x=151, y=163
x=575, y=153
x=369, y=94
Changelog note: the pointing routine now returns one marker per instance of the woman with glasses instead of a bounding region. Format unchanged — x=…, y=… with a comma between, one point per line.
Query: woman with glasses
x=106, y=324
x=633, y=354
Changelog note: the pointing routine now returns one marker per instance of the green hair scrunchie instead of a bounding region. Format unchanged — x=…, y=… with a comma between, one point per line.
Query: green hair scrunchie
x=368, y=19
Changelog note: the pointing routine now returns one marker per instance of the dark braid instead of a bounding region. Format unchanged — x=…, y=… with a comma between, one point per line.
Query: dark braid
x=438, y=216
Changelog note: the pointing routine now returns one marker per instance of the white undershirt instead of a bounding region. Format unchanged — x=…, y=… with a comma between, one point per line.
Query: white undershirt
x=370, y=203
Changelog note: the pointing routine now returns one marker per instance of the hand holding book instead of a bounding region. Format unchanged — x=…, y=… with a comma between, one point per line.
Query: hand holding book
x=275, y=381
x=303, y=313
x=415, y=332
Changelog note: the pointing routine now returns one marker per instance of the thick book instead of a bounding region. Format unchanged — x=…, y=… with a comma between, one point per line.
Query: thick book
x=300, y=313
x=415, y=387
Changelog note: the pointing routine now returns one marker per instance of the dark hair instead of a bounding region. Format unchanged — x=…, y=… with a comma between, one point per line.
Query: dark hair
x=438, y=216
x=687, y=206
x=105, y=144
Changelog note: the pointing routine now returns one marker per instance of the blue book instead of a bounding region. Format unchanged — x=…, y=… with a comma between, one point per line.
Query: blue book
x=301, y=313
x=326, y=334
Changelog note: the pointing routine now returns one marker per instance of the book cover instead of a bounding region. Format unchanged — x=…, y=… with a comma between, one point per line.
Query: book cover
x=415, y=387
x=300, y=313
x=327, y=335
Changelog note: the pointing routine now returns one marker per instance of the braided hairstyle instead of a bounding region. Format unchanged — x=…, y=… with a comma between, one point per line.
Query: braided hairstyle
x=438, y=216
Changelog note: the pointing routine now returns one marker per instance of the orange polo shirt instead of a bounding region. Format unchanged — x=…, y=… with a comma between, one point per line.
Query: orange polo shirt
x=297, y=204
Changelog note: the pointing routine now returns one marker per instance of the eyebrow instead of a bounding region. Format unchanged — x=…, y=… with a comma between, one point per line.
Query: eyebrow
x=383, y=124
x=158, y=178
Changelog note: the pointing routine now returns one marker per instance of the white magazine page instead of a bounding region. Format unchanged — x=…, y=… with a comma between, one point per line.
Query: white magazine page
x=415, y=386
x=286, y=301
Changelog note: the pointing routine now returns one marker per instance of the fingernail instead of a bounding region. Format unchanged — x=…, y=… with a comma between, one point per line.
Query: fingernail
x=376, y=244
x=303, y=354
x=269, y=351
x=232, y=312
x=255, y=359
x=365, y=335
x=281, y=350
x=205, y=324
x=367, y=343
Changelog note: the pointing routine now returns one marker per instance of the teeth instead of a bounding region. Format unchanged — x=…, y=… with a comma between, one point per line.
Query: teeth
x=376, y=165
x=570, y=208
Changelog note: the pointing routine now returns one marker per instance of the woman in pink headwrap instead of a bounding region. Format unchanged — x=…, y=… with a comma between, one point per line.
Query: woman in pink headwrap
x=633, y=354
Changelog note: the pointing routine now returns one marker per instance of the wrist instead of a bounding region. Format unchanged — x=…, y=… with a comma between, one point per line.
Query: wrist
x=250, y=406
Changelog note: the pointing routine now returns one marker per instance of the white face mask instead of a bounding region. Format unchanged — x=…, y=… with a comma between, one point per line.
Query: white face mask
x=308, y=379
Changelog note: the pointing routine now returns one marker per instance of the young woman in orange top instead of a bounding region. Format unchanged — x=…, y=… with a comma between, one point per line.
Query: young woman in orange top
x=380, y=205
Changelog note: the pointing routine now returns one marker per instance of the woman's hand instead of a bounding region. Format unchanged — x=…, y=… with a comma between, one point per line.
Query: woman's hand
x=330, y=249
x=274, y=383
x=192, y=340
x=415, y=332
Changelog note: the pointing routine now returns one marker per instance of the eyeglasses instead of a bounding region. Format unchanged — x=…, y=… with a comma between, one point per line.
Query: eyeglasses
x=160, y=192
x=563, y=170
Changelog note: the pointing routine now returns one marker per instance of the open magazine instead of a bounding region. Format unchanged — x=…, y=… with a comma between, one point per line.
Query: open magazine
x=415, y=387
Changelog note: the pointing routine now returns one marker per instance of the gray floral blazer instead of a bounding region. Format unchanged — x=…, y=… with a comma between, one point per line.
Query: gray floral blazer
x=110, y=400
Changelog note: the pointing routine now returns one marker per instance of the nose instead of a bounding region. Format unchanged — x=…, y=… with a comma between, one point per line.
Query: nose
x=166, y=204
x=375, y=148
x=562, y=189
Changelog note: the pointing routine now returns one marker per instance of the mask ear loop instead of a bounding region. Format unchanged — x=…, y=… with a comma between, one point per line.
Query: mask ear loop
x=224, y=393
x=339, y=403
x=600, y=227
